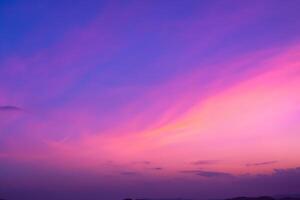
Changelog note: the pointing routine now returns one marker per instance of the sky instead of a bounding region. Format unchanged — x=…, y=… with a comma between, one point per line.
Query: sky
x=158, y=99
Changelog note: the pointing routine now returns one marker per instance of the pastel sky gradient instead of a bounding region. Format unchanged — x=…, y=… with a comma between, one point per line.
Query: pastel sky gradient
x=115, y=99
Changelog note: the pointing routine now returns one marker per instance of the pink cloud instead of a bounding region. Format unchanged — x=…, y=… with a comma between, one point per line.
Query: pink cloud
x=244, y=112
x=244, y=121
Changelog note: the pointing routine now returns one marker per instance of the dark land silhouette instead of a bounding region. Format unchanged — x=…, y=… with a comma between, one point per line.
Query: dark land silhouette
x=265, y=198
x=297, y=197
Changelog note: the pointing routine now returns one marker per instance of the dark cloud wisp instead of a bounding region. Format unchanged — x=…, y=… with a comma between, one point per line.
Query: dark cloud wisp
x=8, y=108
x=262, y=163
x=205, y=162
x=157, y=168
x=207, y=174
x=129, y=173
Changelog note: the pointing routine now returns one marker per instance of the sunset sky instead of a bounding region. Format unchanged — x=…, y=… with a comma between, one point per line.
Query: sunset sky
x=102, y=100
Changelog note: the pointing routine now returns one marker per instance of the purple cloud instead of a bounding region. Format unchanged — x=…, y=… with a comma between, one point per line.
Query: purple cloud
x=157, y=168
x=210, y=174
x=129, y=173
x=262, y=163
x=8, y=108
x=205, y=162
x=143, y=162
x=207, y=174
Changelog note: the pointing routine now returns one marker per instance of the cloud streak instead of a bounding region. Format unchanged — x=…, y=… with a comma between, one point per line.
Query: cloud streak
x=8, y=108
x=205, y=162
x=207, y=174
x=262, y=163
x=129, y=173
x=157, y=168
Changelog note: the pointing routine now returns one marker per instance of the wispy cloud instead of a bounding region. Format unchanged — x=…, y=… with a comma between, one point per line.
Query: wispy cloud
x=262, y=163
x=129, y=173
x=210, y=174
x=207, y=174
x=8, y=108
x=190, y=171
x=205, y=162
x=157, y=168
x=145, y=162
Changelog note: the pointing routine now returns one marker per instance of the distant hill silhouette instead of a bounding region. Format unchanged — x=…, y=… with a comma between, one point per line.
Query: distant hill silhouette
x=285, y=197
x=157, y=199
x=252, y=198
x=290, y=198
x=264, y=198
